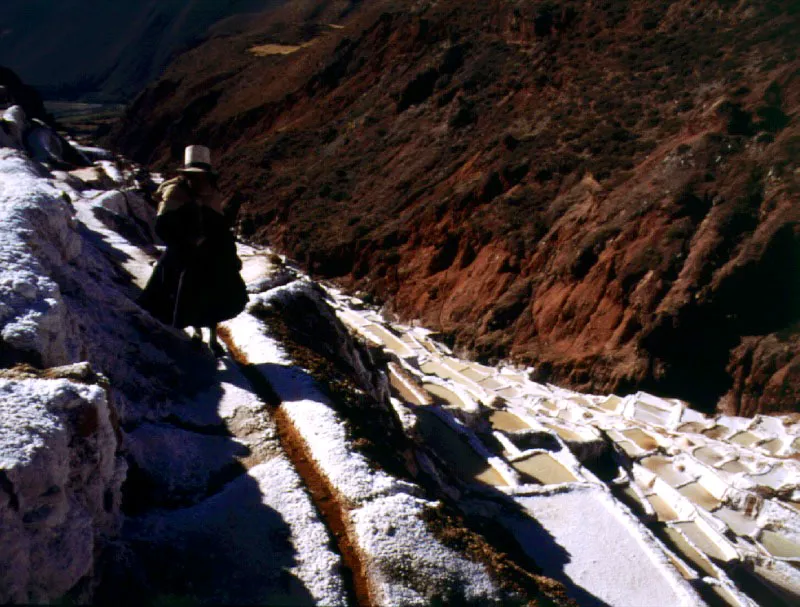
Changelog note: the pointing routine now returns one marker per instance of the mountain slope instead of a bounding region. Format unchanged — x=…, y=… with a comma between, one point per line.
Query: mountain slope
x=607, y=190
x=106, y=50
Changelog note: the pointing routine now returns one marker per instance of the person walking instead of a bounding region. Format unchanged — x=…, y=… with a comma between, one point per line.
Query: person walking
x=196, y=282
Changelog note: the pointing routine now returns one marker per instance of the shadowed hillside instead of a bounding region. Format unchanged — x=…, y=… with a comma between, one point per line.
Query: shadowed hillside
x=605, y=189
x=107, y=51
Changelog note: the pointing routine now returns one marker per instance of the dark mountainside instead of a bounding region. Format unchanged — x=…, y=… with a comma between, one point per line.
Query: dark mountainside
x=605, y=189
x=104, y=51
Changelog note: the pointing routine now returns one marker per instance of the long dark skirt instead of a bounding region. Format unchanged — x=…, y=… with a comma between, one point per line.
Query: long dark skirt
x=198, y=290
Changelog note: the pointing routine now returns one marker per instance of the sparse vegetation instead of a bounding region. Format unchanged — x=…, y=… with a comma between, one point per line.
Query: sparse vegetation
x=527, y=131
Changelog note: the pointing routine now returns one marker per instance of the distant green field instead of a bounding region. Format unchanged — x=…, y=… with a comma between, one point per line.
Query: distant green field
x=84, y=121
x=65, y=110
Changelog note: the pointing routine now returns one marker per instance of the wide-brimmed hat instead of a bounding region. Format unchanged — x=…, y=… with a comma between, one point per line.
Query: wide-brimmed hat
x=196, y=159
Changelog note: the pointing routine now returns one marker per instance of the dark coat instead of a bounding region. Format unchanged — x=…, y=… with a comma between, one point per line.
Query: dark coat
x=196, y=281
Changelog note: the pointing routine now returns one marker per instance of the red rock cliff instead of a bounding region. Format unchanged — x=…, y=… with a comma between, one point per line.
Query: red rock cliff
x=605, y=189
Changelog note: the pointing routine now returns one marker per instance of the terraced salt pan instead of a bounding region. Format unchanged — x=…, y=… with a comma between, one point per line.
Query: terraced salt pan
x=547, y=405
x=708, y=455
x=474, y=375
x=389, y=340
x=778, y=545
x=709, y=541
x=678, y=542
x=696, y=427
x=564, y=432
x=773, y=446
x=663, y=510
x=454, y=363
x=633, y=498
x=490, y=384
x=448, y=372
x=543, y=468
x=509, y=392
x=737, y=521
x=725, y=595
x=650, y=414
x=453, y=448
x=612, y=404
x=696, y=493
x=507, y=422
x=645, y=441
x=384, y=511
x=583, y=523
x=630, y=449
x=717, y=432
x=734, y=467
x=516, y=378
x=449, y=396
x=745, y=439
x=666, y=470
x=407, y=389
x=686, y=463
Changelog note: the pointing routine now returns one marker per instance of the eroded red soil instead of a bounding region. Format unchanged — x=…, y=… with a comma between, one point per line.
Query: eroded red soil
x=607, y=190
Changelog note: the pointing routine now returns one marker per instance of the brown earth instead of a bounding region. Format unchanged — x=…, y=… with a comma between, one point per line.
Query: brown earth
x=605, y=189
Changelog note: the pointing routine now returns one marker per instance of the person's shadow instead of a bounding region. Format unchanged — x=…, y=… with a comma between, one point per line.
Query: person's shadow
x=197, y=526
x=520, y=535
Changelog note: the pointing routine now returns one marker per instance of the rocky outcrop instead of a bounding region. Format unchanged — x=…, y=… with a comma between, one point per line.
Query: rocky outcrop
x=765, y=370
x=60, y=481
x=16, y=92
x=65, y=304
x=38, y=240
x=534, y=181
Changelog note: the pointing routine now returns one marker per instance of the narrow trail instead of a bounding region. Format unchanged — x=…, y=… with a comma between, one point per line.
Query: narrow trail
x=324, y=496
